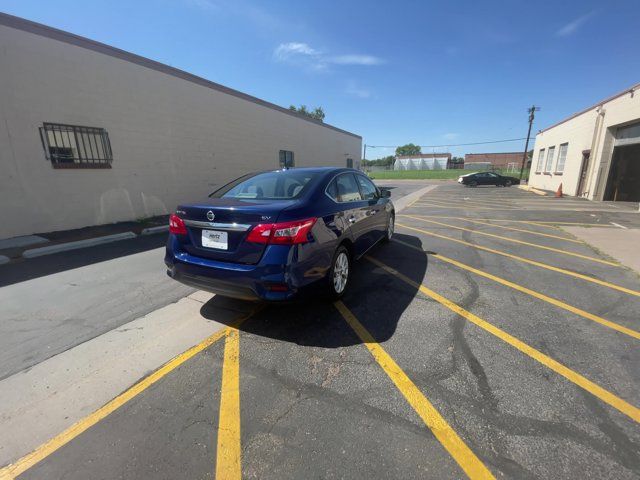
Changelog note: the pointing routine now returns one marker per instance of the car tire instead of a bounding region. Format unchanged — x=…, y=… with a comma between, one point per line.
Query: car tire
x=338, y=277
x=391, y=225
x=508, y=183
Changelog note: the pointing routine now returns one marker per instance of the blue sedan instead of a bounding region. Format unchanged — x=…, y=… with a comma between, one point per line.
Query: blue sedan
x=277, y=235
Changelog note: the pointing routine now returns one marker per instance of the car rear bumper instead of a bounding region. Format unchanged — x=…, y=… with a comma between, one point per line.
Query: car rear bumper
x=219, y=287
x=245, y=282
x=276, y=278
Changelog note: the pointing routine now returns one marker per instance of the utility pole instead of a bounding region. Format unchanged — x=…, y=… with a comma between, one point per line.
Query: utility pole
x=364, y=156
x=532, y=111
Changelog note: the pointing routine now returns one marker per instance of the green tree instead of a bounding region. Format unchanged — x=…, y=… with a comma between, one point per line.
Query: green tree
x=379, y=162
x=317, y=113
x=408, y=149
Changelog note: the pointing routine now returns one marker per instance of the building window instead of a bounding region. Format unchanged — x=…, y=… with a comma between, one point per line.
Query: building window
x=540, y=160
x=349, y=162
x=73, y=146
x=550, y=153
x=286, y=159
x=562, y=157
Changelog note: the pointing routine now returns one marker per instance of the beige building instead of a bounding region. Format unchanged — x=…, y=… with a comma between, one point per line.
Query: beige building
x=594, y=153
x=91, y=134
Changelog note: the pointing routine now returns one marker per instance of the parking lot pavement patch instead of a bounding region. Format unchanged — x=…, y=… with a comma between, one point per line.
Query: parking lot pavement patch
x=52, y=445
x=514, y=240
x=513, y=229
x=526, y=260
x=616, y=402
x=449, y=439
x=619, y=244
x=558, y=303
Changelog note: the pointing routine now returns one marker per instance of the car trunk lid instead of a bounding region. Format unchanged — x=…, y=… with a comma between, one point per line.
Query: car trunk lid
x=217, y=229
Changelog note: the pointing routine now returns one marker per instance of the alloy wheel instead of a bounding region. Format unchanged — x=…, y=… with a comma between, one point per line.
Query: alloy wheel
x=341, y=272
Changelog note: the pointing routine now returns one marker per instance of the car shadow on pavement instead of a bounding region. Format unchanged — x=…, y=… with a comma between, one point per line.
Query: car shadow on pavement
x=376, y=299
x=24, y=269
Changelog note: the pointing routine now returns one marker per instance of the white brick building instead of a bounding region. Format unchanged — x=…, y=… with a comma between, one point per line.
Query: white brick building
x=594, y=153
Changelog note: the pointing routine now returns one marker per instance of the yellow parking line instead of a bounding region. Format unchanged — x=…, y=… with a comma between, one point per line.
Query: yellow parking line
x=472, y=202
x=526, y=260
x=539, y=223
x=484, y=222
x=548, y=208
x=229, y=451
x=533, y=293
x=431, y=204
x=446, y=435
x=523, y=222
x=520, y=242
x=572, y=223
x=49, y=447
x=616, y=402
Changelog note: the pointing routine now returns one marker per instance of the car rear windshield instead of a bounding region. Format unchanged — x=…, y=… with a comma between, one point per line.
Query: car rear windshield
x=278, y=185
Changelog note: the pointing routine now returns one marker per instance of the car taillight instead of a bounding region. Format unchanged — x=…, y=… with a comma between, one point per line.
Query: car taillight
x=284, y=233
x=176, y=225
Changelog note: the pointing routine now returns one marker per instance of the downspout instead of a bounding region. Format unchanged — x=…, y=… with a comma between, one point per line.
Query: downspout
x=595, y=141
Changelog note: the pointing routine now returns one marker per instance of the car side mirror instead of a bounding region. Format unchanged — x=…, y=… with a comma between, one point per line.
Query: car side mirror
x=385, y=193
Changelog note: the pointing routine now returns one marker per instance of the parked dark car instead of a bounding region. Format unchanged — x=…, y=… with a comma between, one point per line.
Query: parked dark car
x=487, y=178
x=277, y=235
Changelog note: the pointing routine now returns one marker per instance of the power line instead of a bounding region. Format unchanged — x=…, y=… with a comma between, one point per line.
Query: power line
x=452, y=144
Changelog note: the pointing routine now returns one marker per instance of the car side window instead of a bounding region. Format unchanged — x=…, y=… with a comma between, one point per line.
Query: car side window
x=492, y=175
x=332, y=190
x=368, y=189
x=347, y=188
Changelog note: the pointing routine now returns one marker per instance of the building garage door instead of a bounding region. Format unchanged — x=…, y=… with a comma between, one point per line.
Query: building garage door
x=623, y=183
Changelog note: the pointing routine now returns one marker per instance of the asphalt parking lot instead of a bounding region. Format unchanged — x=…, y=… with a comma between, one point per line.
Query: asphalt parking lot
x=483, y=341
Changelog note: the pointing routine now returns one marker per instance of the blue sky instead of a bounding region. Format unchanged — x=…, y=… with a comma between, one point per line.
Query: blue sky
x=426, y=72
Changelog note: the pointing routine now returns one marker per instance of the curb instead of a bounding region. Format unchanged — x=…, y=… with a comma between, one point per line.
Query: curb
x=89, y=242
x=4, y=259
x=406, y=201
x=532, y=190
x=152, y=230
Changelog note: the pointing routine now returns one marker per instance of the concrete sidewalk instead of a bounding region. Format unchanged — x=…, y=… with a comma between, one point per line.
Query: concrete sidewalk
x=621, y=244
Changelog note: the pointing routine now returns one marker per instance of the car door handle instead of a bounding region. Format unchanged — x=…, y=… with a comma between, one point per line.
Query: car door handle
x=372, y=212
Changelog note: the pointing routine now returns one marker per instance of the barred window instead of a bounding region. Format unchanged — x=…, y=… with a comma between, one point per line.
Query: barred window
x=74, y=146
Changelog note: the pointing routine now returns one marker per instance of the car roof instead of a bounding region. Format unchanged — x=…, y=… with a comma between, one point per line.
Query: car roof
x=325, y=170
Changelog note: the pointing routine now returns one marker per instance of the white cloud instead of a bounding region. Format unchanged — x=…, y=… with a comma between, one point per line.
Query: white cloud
x=355, y=60
x=303, y=54
x=573, y=26
x=356, y=91
x=286, y=51
x=450, y=136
